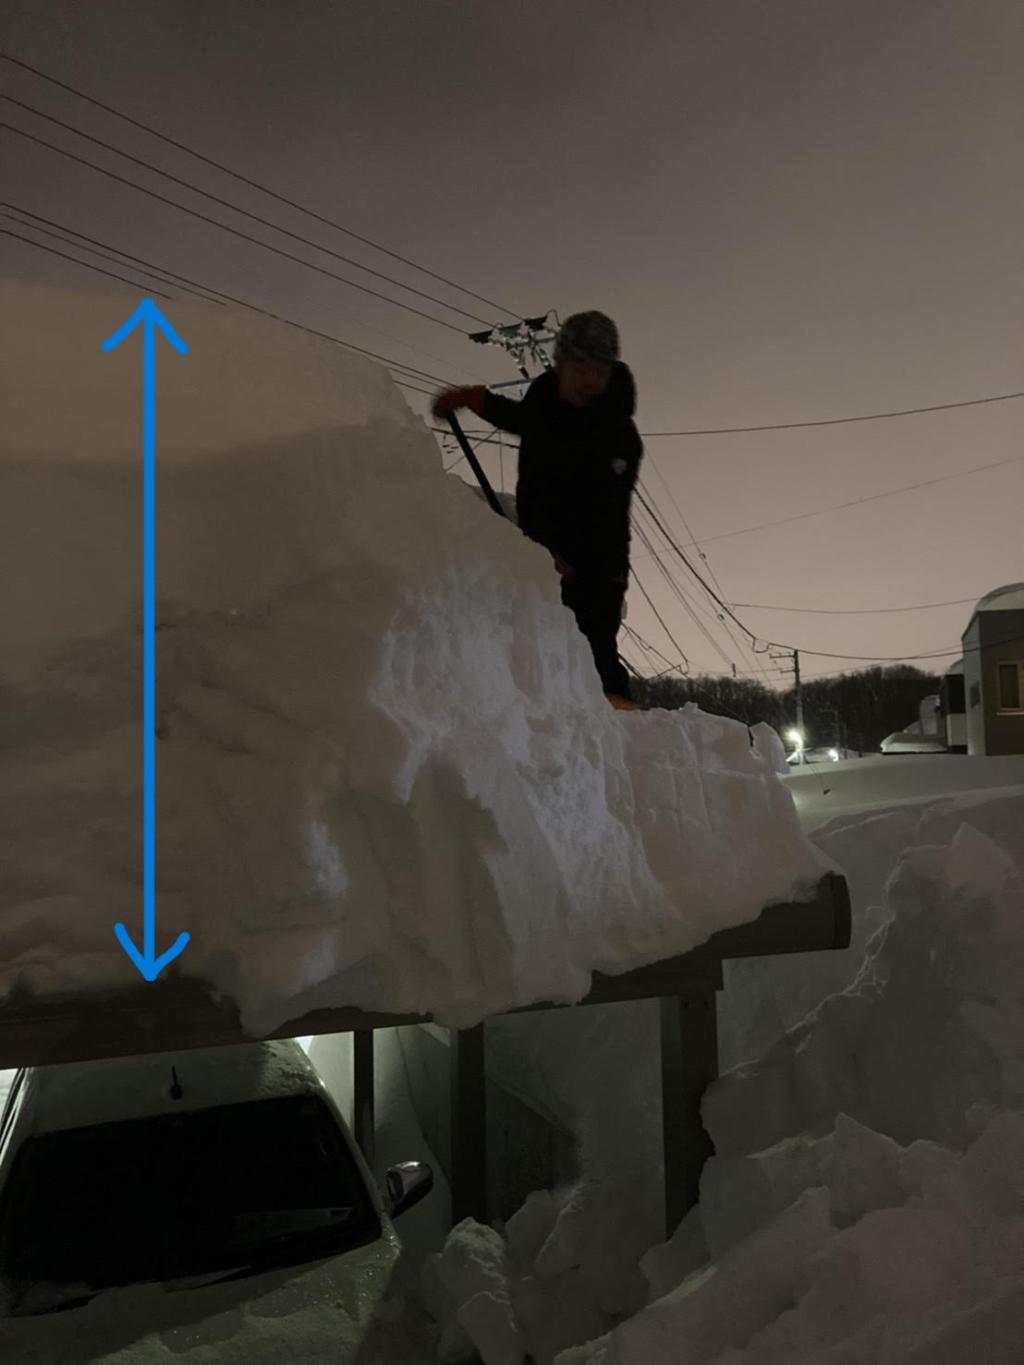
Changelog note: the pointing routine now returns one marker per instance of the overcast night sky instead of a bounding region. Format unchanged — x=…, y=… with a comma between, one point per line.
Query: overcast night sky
x=794, y=210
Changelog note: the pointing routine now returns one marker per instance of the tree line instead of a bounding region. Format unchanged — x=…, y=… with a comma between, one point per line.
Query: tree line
x=851, y=711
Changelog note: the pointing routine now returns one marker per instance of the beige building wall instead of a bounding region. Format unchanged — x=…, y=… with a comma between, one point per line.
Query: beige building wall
x=973, y=700
x=1002, y=641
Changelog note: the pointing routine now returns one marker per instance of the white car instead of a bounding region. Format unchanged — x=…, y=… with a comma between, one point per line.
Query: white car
x=909, y=742
x=817, y=755
x=218, y=1188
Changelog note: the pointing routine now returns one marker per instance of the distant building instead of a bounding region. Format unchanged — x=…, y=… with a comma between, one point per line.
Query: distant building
x=926, y=735
x=993, y=673
x=954, y=708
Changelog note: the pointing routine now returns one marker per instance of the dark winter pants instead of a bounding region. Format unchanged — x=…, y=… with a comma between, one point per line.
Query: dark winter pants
x=597, y=605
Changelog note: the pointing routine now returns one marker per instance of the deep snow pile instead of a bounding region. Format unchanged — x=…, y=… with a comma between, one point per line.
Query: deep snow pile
x=863, y=814
x=386, y=774
x=865, y=1205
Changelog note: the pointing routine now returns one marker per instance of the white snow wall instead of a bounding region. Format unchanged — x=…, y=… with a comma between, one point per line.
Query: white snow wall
x=386, y=775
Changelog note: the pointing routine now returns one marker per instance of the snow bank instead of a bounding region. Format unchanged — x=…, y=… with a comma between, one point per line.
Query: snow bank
x=865, y=1205
x=864, y=815
x=932, y=1026
x=386, y=775
x=881, y=783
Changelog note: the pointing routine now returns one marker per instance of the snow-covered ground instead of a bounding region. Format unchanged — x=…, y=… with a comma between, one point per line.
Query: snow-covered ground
x=881, y=782
x=865, y=1205
x=386, y=775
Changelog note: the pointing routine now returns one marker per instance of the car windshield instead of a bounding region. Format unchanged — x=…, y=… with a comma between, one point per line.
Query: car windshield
x=245, y=1186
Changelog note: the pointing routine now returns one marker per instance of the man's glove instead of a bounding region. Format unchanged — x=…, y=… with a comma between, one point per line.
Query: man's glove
x=565, y=571
x=450, y=400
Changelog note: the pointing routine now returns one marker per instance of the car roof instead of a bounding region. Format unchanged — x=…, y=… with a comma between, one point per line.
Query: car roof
x=79, y=1094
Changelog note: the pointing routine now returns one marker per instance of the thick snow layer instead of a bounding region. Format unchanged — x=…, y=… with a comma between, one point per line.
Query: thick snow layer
x=386, y=774
x=339, y=1312
x=1008, y=598
x=865, y=1205
x=864, y=814
x=882, y=783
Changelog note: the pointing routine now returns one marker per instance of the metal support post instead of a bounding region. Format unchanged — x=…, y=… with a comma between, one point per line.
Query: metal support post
x=363, y=1120
x=468, y=1125
x=689, y=1063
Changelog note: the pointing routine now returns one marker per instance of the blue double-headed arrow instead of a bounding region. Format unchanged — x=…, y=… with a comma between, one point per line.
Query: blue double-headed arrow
x=149, y=317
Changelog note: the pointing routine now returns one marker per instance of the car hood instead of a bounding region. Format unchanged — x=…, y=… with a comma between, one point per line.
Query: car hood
x=334, y=1310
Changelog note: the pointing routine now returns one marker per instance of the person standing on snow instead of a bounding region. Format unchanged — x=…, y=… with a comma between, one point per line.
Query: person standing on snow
x=579, y=456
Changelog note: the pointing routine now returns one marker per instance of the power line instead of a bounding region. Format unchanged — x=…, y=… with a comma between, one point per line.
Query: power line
x=857, y=611
x=959, y=649
x=136, y=284
x=69, y=240
x=220, y=295
x=840, y=421
x=681, y=596
x=857, y=502
x=631, y=667
x=235, y=232
x=182, y=281
x=635, y=635
x=485, y=440
x=461, y=456
x=235, y=208
x=661, y=620
x=253, y=184
x=903, y=658
x=230, y=298
x=878, y=658
x=682, y=555
x=737, y=643
x=817, y=653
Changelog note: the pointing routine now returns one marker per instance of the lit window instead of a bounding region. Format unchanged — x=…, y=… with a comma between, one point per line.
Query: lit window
x=1011, y=687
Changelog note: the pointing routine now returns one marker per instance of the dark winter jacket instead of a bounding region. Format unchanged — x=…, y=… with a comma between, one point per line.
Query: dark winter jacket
x=577, y=469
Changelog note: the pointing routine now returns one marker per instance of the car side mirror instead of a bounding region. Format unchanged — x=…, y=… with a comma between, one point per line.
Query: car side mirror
x=408, y=1183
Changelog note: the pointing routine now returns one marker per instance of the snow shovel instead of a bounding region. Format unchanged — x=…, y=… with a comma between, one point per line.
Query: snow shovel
x=475, y=465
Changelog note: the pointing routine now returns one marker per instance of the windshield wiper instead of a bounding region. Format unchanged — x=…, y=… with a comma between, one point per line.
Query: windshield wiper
x=34, y=1300
x=235, y=1272
x=267, y=1226
x=264, y=1248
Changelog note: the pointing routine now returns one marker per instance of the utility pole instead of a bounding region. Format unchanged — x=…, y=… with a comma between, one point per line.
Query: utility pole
x=530, y=339
x=799, y=700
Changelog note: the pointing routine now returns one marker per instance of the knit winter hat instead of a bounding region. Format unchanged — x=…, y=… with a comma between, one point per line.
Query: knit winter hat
x=588, y=336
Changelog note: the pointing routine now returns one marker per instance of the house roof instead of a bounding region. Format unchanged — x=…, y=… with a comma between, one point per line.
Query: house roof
x=1010, y=597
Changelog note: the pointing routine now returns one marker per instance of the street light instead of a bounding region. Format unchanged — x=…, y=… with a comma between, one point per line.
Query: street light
x=796, y=738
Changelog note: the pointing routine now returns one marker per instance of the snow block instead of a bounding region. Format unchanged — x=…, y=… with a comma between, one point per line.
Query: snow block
x=727, y=1303
x=386, y=774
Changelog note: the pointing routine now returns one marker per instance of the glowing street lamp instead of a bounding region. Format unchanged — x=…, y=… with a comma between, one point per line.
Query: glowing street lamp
x=795, y=737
